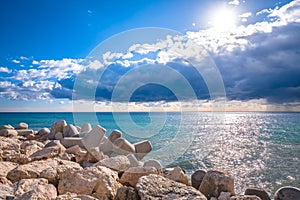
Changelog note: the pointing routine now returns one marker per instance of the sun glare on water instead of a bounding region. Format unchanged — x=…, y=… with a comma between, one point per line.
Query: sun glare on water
x=224, y=20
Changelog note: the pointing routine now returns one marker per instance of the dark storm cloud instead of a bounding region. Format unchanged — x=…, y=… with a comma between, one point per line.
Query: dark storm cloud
x=269, y=68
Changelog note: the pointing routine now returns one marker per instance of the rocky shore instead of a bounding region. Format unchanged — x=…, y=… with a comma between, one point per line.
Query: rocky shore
x=71, y=162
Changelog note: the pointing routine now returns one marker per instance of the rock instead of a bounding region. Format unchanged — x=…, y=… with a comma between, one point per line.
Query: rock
x=94, y=137
x=106, y=146
x=70, y=131
x=73, y=149
x=94, y=155
x=28, y=143
x=72, y=141
x=260, y=192
x=127, y=193
x=85, y=128
x=99, y=182
x=49, y=136
x=142, y=148
x=58, y=126
x=34, y=189
x=45, y=153
x=4, y=180
x=115, y=134
x=153, y=163
x=245, y=197
x=132, y=175
x=133, y=161
x=121, y=146
x=224, y=196
x=197, y=178
x=215, y=182
x=56, y=143
x=43, y=131
x=6, y=191
x=34, y=169
x=10, y=150
x=25, y=132
x=22, y=125
x=5, y=167
x=158, y=187
x=73, y=196
x=118, y=163
x=7, y=126
x=177, y=174
x=287, y=193
x=58, y=136
x=8, y=132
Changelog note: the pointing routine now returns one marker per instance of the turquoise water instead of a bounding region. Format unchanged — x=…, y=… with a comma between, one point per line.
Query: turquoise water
x=259, y=149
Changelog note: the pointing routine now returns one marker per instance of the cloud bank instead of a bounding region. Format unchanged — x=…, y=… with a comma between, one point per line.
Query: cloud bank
x=257, y=61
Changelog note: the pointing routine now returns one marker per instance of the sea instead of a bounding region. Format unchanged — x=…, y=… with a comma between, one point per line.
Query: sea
x=259, y=149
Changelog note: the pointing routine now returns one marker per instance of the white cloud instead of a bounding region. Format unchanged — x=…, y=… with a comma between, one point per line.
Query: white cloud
x=96, y=64
x=288, y=13
x=15, y=61
x=5, y=70
x=34, y=62
x=234, y=2
x=6, y=84
x=24, y=58
x=246, y=15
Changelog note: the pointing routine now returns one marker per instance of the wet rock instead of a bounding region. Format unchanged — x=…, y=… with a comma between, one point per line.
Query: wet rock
x=8, y=132
x=158, y=187
x=132, y=175
x=122, y=146
x=43, y=131
x=127, y=193
x=153, y=163
x=260, y=192
x=215, y=182
x=6, y=191
x=22, y=125
x=177, y=174
x=287, y=193
x=34, y=189
x=70, y=131
x=118, y=163
x=35, y=169
x=197, y=178
x=245, y=197
x=142, y=148
x=99, y=182
x=5, y=167
x=58, y=126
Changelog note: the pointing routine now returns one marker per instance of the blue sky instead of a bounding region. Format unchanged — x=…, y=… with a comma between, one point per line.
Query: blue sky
x=254, y=45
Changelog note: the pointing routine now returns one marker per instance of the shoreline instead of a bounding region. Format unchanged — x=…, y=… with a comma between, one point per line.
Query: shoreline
x=50, y=163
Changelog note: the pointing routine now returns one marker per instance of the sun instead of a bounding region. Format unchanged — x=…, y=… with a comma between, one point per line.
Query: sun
x=224, y=20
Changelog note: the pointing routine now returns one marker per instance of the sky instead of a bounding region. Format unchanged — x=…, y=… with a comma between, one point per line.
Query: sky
x=172, y=55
